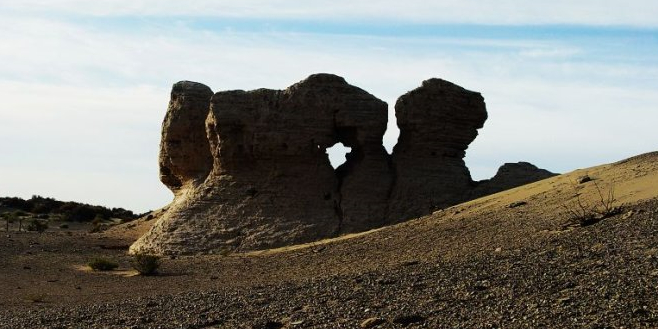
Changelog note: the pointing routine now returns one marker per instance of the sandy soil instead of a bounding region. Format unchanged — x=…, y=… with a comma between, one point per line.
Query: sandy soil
x=508, y=260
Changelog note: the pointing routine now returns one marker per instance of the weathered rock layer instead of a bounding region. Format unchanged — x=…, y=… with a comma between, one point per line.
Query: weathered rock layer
x=249, y=169
x=437, y=122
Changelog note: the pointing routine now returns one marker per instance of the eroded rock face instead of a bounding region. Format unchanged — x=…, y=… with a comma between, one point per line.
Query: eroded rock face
x=249, y=169
x=437, y=122
x=185, y=158
x=271, y=182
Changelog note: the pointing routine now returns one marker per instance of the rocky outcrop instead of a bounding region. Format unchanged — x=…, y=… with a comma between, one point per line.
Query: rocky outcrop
x=437, y=122
x=510, y=175
x=249, y=169
x=271, y=182
x=185, y=158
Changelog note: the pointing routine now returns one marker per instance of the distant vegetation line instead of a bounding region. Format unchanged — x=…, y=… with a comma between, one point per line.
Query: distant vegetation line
x=66, y=210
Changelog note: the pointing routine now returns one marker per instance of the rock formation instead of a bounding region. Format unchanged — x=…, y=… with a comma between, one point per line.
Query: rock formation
x=249, y=169
x=437, y=122
x=510, y=175
x=185, y=158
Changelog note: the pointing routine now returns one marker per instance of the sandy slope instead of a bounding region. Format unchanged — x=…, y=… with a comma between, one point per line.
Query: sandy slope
x=506, y=260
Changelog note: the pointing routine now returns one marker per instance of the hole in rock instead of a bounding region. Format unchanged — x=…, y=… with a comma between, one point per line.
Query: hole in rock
x=337, y=154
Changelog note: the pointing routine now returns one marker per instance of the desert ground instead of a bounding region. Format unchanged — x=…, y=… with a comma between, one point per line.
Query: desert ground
x=514, y=259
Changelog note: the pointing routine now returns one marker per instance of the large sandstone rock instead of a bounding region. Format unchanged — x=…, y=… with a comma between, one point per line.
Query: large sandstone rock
x=249, y=169
x=437, y=121
x=185, y=158
x=271, y=182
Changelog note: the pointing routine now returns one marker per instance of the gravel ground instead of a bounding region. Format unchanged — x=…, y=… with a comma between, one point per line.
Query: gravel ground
x=599, y=276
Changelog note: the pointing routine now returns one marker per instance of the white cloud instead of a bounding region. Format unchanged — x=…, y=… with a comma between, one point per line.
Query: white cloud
x=514, y=12
x=82, y=107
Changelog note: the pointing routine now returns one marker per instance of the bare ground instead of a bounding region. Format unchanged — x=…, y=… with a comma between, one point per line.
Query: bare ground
x=504, y=261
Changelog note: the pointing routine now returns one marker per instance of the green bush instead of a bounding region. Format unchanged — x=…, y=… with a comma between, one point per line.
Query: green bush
x=146, y=264
x=102, y=264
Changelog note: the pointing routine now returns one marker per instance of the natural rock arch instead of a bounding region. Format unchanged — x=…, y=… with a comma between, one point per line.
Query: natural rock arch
x=249, y=169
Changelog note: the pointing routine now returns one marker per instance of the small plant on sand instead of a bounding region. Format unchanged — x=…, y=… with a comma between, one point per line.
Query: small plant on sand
x=102, y=264
x=585, y=213
x=146, y=264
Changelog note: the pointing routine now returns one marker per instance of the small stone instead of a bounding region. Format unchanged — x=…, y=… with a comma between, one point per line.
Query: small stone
x=517, y=204
x=641, y=311
x=371, y=322
x=628, y=215
x=481, y=286
x=584, y=179
x=386, y=281
x=564, y=300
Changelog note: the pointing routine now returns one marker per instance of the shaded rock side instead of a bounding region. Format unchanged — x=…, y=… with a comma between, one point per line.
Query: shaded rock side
x=271, y=182
x=510, y=175
x=185, y=158
x=437, y=122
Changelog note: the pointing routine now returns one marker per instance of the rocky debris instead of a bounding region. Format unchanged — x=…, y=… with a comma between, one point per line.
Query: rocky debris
x=437, y=121
x=550, y=282
x=510, y=175
x=249, y=169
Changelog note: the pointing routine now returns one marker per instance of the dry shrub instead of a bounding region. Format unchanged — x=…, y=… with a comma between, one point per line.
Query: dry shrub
x=585, y=213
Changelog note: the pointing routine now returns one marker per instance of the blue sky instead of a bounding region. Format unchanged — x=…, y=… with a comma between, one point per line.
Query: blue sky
x=85, y=84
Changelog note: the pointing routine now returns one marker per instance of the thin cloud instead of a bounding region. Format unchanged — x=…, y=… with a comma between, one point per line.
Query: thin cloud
x=498, y=12
x=91, y=99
